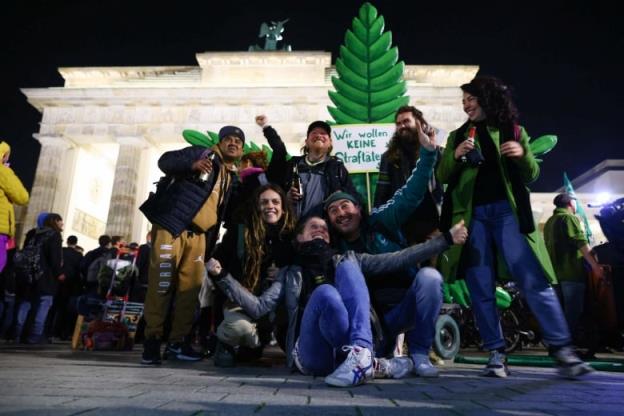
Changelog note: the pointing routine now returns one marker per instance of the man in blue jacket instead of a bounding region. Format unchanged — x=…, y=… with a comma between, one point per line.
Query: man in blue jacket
x=185, y=211
x=409, y=301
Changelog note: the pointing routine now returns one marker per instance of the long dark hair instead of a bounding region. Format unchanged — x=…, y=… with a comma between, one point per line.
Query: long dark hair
x=255, y=234
x=397, y=146
x=51, y=221
x=495, y=98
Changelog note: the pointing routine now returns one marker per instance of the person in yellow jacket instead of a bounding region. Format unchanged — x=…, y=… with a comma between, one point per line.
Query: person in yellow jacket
x=12, y=191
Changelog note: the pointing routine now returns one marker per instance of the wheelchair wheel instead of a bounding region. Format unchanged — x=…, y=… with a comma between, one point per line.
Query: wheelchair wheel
x=510, y=324
x=446, y=340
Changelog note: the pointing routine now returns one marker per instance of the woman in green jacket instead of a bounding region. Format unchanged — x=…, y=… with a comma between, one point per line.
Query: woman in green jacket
x=486, y=165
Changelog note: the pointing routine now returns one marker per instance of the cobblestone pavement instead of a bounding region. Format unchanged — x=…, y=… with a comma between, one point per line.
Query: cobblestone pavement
x=52, y=380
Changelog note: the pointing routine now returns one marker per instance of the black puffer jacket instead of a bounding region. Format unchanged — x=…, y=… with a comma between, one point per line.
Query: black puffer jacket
x=180, y=194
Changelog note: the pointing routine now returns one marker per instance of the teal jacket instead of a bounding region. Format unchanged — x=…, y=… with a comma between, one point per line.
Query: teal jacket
x=381, y=231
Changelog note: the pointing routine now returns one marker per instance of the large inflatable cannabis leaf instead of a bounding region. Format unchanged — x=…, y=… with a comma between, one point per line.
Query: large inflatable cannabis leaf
x=370, y=86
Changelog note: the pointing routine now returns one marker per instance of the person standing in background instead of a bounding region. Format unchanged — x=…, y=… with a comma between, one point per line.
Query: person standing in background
x=12, y=191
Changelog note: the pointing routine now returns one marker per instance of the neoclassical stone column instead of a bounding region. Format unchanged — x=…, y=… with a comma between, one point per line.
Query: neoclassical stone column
x=48, y=178
x=122, y=203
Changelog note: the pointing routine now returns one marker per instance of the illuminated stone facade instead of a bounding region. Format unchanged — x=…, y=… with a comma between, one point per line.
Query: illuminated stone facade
x=103, y=131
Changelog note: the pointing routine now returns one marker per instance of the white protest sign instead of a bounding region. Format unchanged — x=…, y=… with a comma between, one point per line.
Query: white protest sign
x=360, y=146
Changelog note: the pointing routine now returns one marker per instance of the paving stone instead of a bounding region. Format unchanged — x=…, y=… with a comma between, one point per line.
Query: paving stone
x=56, y=381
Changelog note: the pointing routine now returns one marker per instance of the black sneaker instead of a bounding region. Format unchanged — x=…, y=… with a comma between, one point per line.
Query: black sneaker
x=224, y=355
x=569, y=365
x=151, y=352
x=183, y=351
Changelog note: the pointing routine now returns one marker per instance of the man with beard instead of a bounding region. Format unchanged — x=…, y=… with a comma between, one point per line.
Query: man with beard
x=396, y=166
x=407, y=300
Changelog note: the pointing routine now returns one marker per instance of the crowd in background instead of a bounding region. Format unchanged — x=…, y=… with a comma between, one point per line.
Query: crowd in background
x=303, y=263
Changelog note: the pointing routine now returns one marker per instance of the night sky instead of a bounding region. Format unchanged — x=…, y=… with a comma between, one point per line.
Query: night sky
x=562, y=58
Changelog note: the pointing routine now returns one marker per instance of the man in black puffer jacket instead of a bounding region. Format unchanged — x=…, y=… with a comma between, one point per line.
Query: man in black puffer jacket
x=185, y=211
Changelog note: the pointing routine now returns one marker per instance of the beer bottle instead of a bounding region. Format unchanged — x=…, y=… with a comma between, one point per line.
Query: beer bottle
x=296, y=180
x=204, y=175
x=471, y=136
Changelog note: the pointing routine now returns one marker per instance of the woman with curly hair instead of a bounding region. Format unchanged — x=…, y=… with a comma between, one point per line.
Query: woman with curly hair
x=487, y=165
x=253, y=253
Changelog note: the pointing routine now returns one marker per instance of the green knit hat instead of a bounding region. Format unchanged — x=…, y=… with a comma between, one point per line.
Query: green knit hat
x=338, y=195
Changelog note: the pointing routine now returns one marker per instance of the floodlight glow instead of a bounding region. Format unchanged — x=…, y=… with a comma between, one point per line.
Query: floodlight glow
x=603, y=197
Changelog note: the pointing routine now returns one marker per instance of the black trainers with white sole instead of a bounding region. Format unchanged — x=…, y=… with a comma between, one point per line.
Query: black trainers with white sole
x=182, y=351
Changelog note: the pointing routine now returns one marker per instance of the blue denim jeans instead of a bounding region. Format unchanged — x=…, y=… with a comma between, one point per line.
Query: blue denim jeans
x=573, y=301
x=44, y=302
x=495, y=225
x=335, y=316
x=418, y=312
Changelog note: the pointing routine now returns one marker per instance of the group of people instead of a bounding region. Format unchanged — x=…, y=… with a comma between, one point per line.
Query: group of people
x=302, y=261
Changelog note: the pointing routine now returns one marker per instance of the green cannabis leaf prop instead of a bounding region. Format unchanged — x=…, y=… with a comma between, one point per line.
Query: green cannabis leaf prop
x=370, y=86
x=542, y=145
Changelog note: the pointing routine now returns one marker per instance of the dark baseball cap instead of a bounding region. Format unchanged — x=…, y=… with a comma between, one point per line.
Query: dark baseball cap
x=231, y=131
x=563, y=200
x=321, y=124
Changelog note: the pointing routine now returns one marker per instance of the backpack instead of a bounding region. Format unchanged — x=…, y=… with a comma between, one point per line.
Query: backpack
x=94, y=268
x=28, y=261
x=116, y=275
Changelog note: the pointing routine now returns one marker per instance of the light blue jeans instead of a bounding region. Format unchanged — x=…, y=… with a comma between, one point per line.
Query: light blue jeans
x=335, y=315
x=43, y=304
x=495, y=225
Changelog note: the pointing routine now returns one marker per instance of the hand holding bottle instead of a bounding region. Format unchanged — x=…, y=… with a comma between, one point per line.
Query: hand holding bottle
x=466, y=146
x=203, y=166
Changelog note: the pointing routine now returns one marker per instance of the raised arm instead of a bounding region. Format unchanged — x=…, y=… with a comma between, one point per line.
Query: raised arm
x=393, y=214
x=183, y=161
x=374, y=264
x=277, y=169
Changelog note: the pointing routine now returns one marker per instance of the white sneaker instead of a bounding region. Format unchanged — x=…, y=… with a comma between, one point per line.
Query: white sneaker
x=497, y=365
x=355, y=370
x=423, y=366
x=395, y=367
x=569, y=365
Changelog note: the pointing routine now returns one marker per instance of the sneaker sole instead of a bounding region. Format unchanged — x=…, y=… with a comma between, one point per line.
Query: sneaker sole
x=572, y=373
x=341, y=383
x=425, y=375
x=186, y=358
x=498, y=373
x=150, y=362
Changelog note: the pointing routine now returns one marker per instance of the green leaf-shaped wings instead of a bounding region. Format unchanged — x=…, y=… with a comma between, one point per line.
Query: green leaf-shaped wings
x=370, y=86
x=198, y=138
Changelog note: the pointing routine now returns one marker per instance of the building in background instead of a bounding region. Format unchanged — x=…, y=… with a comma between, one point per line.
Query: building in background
x=101, y=133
